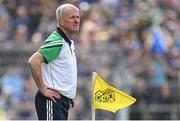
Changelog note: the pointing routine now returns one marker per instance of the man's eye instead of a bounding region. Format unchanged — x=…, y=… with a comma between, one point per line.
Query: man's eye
x=72, y=17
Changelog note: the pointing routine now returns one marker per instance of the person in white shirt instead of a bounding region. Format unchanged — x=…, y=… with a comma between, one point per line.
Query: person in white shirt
x=54, y=67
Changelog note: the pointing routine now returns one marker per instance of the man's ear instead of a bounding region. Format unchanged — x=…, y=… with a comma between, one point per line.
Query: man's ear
x=61, y=22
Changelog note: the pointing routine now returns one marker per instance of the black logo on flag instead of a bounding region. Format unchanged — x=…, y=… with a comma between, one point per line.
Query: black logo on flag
x=105, y=96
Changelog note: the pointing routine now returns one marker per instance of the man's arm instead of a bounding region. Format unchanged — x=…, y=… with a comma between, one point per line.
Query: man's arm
x=35, y=62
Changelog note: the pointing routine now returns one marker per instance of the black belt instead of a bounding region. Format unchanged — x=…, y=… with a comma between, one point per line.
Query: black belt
x=71, y=102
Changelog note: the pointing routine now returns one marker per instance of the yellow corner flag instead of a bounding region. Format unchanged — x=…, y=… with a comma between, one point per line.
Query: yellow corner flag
x=109, y=98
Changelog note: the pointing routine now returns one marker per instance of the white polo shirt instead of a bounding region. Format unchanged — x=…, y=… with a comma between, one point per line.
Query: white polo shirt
x=59, y=71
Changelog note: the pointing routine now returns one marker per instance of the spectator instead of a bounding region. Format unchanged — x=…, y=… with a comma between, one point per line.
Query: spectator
x=12, y=87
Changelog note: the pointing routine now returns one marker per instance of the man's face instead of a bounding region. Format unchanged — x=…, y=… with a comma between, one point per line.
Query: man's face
x=71, y=21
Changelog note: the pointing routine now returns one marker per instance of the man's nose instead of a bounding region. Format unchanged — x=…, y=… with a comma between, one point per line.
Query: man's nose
x=77, y=19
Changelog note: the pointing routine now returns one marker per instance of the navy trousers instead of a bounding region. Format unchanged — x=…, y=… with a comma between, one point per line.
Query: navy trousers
x=48, y=110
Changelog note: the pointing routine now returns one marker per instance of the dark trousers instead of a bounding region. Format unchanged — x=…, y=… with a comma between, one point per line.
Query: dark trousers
x=48, y=110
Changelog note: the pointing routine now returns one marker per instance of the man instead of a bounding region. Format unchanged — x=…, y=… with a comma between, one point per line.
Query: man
x=54, y=67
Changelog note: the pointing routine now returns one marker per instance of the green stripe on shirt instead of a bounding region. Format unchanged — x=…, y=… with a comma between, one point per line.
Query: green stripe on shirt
x=52, y=47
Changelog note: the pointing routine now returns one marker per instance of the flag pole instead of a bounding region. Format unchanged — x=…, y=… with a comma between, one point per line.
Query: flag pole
x=92, y=107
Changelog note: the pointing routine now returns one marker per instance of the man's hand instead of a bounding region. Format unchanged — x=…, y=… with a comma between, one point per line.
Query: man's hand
x=51, y=94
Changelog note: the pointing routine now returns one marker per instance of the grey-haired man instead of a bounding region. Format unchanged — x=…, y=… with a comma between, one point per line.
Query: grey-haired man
x=54, y=67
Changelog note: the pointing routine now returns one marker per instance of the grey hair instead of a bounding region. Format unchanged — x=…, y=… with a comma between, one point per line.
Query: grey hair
x=61, y=9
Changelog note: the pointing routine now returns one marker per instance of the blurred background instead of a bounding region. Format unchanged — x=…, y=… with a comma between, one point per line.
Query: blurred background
x=134, y=45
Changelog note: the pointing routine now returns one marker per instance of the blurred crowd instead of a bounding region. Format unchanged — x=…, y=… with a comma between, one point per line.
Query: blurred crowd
x=134, y=45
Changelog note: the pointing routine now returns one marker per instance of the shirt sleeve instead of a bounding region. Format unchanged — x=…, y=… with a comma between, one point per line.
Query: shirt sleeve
x=50, y=51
